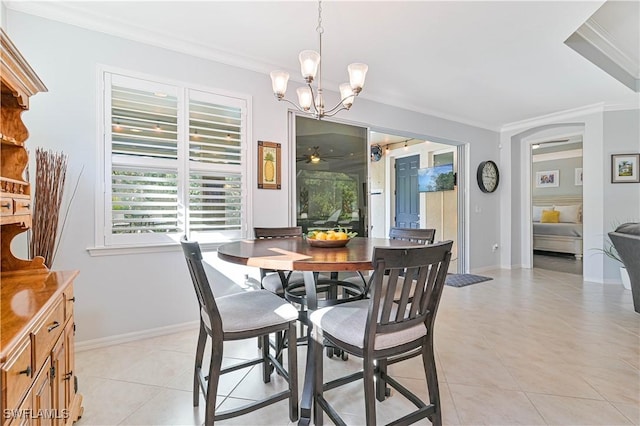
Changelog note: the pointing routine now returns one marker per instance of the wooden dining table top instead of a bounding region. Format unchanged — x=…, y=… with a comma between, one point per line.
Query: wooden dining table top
x=295, y=254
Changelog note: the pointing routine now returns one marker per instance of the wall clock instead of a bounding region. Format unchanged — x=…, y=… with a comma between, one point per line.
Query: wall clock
x=376, y=153
x=488, y=176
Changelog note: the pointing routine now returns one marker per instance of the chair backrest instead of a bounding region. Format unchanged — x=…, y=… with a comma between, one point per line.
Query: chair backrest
x=422, y=236
x=290, y=232
x=419, y=298
x=209, y=313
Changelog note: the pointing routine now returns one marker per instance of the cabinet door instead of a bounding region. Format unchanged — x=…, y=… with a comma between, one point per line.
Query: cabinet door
x=42, y=397
x=59, y=369
x=69, y=379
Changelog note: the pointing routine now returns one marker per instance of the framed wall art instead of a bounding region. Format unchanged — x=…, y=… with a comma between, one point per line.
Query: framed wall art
x=547, y=179
x=578, y=176
x=624, y=168
x=269, y=165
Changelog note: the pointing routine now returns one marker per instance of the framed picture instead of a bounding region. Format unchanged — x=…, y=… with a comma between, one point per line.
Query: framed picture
x=547, y=179
x=578, y=176
x=624, y=168
x=269, y=175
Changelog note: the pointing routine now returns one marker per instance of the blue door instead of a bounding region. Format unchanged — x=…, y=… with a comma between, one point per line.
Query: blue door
x=407, y=197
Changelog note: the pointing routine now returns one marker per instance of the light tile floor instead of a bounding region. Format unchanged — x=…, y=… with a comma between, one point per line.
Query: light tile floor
x=531, y=347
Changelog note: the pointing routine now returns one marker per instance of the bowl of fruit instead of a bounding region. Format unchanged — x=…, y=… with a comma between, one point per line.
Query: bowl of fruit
x=330, y=239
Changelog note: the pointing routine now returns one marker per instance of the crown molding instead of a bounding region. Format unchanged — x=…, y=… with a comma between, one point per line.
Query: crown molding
x=66, y=13
x=553, y=117
x=606, y=43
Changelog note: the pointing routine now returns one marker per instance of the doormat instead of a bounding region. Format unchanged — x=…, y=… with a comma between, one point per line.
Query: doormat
x=461, y=280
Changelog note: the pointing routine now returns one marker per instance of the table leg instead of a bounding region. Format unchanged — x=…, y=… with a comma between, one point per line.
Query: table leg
x=306, y=403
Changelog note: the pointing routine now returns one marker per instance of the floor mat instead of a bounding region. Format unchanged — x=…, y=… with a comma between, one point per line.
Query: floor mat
x=461, y=280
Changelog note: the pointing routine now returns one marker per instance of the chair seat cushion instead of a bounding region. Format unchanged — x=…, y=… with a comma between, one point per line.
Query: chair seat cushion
x=273, y=283
x=347, y=322
x=251, y=310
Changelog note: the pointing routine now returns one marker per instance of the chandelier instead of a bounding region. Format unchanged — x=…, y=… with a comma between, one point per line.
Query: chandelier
x=311, y=102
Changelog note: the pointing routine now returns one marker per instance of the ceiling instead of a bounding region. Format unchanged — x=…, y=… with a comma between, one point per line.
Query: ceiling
x=483, y=63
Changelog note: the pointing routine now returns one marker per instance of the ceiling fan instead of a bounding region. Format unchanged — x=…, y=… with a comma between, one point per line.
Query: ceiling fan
x=315, y=156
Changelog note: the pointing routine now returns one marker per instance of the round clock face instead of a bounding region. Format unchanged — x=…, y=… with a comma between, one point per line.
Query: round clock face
x=488, y=176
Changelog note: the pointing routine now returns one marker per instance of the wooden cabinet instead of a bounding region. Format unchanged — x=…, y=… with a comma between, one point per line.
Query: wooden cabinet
x=18, y=82
x=37, y=360
x=37, y=381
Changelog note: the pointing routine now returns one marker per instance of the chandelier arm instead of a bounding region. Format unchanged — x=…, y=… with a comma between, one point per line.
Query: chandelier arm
x=294, y=104
x=341, y=105
x=316, y=112
x=331, y=112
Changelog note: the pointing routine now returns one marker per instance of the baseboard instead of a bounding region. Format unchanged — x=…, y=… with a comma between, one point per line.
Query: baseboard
x=133, y=336
x=485, y=269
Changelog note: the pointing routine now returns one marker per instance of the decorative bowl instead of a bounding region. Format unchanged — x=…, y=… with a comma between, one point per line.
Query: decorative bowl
x=328, y=243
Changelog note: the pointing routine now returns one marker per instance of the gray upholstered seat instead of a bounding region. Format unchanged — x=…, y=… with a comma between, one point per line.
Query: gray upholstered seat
x=395, y=324
x=245, y=315
x=273, y=281
x=348, y=323
x=252, y=310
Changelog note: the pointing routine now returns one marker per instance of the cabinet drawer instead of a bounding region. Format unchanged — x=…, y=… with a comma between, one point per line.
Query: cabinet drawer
x=48, y=331
x=17, y=374
x=21, y=205
x=6, y=206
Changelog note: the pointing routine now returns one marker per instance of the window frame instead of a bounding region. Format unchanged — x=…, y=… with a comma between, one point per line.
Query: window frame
x=104, y=242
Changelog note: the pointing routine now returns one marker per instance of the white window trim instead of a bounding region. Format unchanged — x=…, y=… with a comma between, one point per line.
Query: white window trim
x=248, y=153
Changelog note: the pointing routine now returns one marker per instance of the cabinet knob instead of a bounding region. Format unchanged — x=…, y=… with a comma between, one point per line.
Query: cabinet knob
x=6, y=205
x=26, y=371
x=68, y=376
x=53, y=326
x=73, y=299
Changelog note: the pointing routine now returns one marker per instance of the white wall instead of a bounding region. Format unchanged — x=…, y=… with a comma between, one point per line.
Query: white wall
x=127, y=293
x=621, y=200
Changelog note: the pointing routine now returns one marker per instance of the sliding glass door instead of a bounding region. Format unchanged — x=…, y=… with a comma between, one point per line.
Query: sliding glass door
x=331, y=175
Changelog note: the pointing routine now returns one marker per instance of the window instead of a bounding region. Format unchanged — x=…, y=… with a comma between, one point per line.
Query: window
x=174, y=163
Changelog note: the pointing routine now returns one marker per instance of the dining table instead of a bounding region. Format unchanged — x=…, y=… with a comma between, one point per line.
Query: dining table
x=296, y=254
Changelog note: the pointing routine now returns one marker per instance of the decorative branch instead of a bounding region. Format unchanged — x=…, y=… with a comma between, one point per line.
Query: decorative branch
x=51, y=170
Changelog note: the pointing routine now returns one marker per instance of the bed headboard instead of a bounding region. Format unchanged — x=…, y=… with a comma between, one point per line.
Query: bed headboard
x=559, y=200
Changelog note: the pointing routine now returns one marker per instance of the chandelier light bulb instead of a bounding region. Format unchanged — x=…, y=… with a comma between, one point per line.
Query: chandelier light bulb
x=346, y=94
x=357, y=74
x=279, y=80
x=309, y=61
x=305, y=98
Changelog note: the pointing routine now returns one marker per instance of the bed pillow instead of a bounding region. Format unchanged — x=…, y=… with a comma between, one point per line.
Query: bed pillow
x=569, y=214
x=537, y=212
x=550, y=216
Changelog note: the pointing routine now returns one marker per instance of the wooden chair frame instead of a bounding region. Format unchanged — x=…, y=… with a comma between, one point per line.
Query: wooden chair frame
x=211, y=327
x=418, y=303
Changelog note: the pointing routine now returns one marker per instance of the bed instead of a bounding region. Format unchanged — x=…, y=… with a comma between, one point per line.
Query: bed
x=565, y=236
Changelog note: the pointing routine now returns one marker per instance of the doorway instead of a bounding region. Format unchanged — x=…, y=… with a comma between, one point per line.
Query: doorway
x=331, y=174
x=394, y=181
x=556, y=200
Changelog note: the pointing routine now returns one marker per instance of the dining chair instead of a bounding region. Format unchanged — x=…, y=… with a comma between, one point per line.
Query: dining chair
x=416, y=235
x=239, y=316
x=382, y=329
x=272, y=280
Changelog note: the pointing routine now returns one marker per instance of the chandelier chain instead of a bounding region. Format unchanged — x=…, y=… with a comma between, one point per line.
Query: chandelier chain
x=319, y=28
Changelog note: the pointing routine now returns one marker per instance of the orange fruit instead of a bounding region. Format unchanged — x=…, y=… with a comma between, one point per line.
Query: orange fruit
x=321, y=236
x=341, y=236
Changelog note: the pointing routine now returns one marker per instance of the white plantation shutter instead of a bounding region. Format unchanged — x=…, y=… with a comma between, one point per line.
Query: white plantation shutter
x=175, y=163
